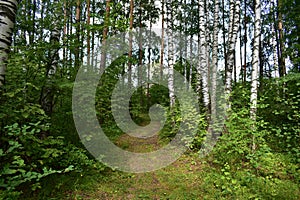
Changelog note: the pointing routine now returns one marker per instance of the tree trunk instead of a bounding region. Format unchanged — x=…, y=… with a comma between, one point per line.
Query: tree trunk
x=130, y=42
x=77, y=51
x=214, y=63
x=88, y=45
x=65, y=35
x=8, y=10
x=170, y=52
x=104, y=37
x=282, y=69
x=202, y=65
x=140, y=65
x=224, y=37
x=232, y=38
x=47, y=96
x=274, y=43
x=245, y=42
x=162, y=38
x=255, y=65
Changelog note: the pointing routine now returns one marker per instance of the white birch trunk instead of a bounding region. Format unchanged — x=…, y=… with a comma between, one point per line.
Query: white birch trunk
x=274, y=44
x=214, y=62
x=170, y=52
x=8, y=11
x=47, y=96
x=202, y=65
x=232, y=38
x=255, y=64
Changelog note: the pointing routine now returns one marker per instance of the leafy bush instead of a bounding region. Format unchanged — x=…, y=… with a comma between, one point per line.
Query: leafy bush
x=28, y=155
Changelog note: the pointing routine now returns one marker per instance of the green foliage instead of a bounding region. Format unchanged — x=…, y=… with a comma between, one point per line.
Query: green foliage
x=282, y=100
x=28, y=155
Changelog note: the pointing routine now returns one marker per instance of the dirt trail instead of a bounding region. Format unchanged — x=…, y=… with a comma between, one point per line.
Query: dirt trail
x=141, y=145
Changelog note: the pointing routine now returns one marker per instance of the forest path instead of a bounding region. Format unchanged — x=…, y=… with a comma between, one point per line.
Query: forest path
x=180, y=180
x=183, y=179
x=139, y=144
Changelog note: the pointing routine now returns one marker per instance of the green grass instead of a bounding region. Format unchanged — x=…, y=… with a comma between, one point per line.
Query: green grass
x=188, y=178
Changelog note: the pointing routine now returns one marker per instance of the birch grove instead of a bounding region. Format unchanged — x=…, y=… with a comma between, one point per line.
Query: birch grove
x=208, y=87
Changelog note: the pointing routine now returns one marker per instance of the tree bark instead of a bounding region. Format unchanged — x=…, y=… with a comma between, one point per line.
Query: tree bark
x=255, y=65
x=104, y=37
x=162, y=49
x=88, y=41
x=170, y=52
x=130, y=42
x=245, y=42
x=214, y=63
x=8, y=10
x=77, y=18
x=202, y=65
x=47, y=96
x=232, y=38
x=281, y=58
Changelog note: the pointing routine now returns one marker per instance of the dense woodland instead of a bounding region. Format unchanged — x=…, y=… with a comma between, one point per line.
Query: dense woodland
x=245, y=54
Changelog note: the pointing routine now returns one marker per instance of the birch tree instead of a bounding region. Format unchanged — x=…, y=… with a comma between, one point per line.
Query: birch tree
x=255, y=64
x=47, y=96
x=202, y=66
x=88, y=42
x=162, y=48
x=214, y=61
x=232, y=38
x=170, y=52
x=8, y=10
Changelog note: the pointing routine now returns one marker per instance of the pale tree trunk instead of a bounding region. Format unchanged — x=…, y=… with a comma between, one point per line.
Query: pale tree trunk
x=191, y=54
x=162, y=48
x=245, y=42
x=104, y=37
x=207, y=57
x=47, y=96
x=191, y=64
x=148, y=67
x=274, y=44
x=214, y=63
x=70, y=32
x=8, y=10
x=170, y=53
x=224, y=36
x=202, y=65
x=255, y=65
x=185, y=47
x=232, y=38
x=88, y=33
x=65, y=35
x=140, y=65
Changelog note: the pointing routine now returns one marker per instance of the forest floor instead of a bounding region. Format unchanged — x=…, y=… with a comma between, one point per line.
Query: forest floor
x=180, y=180
x=188, y=178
